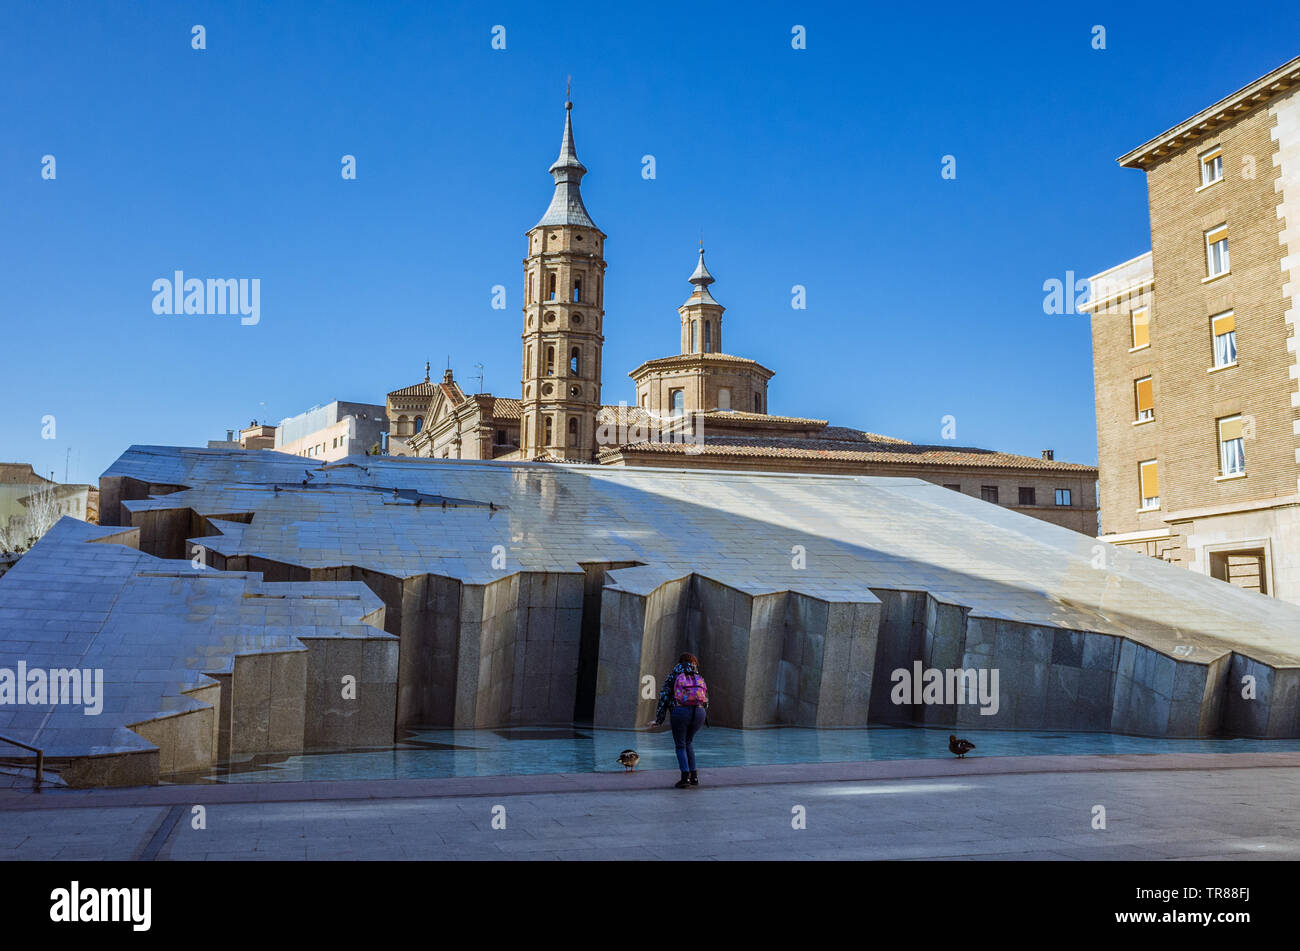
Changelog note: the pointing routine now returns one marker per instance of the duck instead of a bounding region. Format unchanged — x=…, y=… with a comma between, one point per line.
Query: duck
x=629, y=759
x=959, y=747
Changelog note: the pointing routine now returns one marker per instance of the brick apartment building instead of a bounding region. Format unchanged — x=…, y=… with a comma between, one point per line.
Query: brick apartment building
x=1194, y=352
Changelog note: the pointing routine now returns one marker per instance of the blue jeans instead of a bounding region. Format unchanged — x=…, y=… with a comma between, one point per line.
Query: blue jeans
x=686, y=722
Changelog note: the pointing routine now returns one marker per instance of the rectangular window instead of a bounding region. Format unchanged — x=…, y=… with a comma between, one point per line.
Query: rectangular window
x=989, y=493
x=1224, y=330
x=1232, y=451
x=1149, y=480
x=1141, y=327
x=1063, y=497
x=1216, y=251
x=1026, y=495
x=1142, y=394
x=1211, y=166
x=724, y=398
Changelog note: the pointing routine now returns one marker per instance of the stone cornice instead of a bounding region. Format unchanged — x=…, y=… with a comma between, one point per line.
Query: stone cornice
x=1207, y=121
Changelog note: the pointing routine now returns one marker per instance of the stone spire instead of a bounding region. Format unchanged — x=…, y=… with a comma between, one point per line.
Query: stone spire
x=566, y=204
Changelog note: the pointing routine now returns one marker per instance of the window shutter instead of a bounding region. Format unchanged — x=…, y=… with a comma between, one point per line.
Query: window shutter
x=1150, y=481
x=1224, y=324
x=1145, y=399
x=1141, y=327
x=1230, y=429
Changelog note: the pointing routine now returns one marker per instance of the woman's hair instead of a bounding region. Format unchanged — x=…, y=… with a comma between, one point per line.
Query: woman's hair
x=689, y=659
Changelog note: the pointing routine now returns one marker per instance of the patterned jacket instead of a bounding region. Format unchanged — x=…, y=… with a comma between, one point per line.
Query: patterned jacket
x=666, y=701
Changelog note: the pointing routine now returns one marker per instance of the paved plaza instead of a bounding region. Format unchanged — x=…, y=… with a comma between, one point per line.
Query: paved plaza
x=1186, y=806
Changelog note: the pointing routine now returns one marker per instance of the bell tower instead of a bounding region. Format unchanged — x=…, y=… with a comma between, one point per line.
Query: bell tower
x=701, y=314
x=564, y=285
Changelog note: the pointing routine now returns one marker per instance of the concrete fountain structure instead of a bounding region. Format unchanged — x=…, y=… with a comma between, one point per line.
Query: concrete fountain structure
x=232, y=597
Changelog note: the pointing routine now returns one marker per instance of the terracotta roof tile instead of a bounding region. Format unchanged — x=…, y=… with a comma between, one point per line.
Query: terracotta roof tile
x=503, y=407
x=423, y=388
x=866, y=449
x=689, y=358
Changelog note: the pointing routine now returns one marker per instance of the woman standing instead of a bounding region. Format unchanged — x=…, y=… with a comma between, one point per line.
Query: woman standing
x=686, y=695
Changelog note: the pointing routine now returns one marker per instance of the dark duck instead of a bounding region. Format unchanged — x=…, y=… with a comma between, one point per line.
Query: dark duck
x=959, y=747
x=629, y=759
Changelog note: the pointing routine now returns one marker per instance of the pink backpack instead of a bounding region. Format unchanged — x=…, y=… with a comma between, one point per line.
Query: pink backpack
x=690, y=690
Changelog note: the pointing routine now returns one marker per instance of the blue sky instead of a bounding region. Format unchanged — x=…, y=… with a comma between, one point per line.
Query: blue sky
x=818, y=167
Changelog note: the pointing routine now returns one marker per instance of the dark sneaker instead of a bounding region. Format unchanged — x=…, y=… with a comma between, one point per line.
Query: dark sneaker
x=694, y=780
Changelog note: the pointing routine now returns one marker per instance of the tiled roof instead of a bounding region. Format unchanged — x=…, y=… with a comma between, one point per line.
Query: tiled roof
x=845, y=434
x=759, y=419
x=625, y=413
x=691, y=358
x=501, y=407
x=424, y=388
x=621, y=412
x=865, y=449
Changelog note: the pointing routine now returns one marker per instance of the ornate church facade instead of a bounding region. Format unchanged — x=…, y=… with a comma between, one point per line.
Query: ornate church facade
x=700, y=408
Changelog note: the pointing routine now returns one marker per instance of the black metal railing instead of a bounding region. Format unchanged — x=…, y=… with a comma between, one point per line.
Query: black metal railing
x=40, y=758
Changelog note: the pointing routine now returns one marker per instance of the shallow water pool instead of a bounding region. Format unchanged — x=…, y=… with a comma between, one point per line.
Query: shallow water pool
x=425, y=754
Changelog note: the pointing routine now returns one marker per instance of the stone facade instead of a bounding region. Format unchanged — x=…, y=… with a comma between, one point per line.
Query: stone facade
x=1211, y=356
x=407, y=408
x=457, y=426
x=533, y=593
x=477, y=595
x=199, y=665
